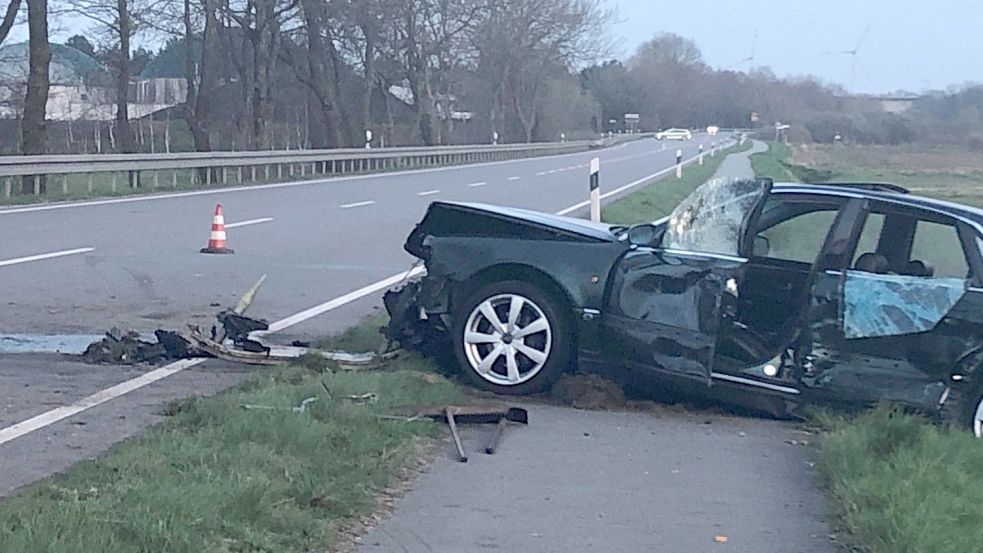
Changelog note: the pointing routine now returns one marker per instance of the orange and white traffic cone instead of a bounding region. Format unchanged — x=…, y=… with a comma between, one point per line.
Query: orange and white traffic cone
x=217, y=241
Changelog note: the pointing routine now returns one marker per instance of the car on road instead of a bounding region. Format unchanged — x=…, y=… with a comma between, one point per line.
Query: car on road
x=770, y=295
x=674, y=134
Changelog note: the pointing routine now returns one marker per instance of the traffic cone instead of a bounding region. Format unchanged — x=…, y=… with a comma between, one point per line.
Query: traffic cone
x=217, y=242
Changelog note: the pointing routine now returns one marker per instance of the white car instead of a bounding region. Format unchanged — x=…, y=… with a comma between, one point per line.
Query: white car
x=712, y=130
x=674, y=134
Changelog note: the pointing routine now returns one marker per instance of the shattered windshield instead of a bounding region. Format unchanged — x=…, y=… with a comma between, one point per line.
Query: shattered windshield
x=711, y=219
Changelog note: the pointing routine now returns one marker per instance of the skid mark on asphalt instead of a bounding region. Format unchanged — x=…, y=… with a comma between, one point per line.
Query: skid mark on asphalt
x=43, y=256
x=249, y=222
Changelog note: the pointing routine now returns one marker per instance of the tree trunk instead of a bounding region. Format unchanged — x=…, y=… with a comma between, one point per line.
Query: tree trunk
x=8, y=19
x=317, y=74
x=34, y=135
x=123, y=131
x=195, y=108
x=369, y=65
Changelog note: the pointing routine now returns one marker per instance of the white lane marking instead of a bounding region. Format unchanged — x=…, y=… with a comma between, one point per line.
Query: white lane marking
x=357, y=204
x=50, y=417
x=59, y=413
x=39, y=257
x=621, y=189
x=428, y=193
x=551, y=171
x=347, y=298
x=541, y=173
x=477, y=184
x=514, y=178
x=249, y=222
x=317, y=182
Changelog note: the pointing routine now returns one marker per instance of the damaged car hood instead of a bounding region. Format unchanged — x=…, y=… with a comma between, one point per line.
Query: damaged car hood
x=488, y=221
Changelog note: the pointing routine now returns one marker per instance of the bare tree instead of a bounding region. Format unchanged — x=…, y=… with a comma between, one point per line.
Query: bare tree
x=8, y=19
x=34, y=136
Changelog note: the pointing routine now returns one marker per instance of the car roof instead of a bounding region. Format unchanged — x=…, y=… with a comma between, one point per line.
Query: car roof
x=887, y=193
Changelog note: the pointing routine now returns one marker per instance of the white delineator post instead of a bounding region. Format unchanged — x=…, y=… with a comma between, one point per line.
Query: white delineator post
x=495, y=138
x=701, y=154
x=368, y=140
x=713, y=148
x=595, y=190
x=679, y=164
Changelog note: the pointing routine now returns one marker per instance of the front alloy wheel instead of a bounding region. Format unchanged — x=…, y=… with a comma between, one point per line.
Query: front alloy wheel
x=512, y=337
x=507, y=339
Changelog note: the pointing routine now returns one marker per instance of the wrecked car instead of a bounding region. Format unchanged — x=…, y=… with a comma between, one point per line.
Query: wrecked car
x=772, y=295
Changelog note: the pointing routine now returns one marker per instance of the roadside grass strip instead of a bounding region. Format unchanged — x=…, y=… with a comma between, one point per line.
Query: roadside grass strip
x=901, y=484
x=254, y=468
x=659, y=197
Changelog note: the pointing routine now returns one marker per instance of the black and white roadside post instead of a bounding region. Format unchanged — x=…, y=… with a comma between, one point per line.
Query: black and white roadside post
x=368, y=140
x=563, y=137
x=679, y=164
x=701, y=154
x=495, y=138
x=595, y=190
x=713, y=148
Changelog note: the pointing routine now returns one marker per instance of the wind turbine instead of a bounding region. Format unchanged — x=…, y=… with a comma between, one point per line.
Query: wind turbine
x=750, y=59
x=853, y=58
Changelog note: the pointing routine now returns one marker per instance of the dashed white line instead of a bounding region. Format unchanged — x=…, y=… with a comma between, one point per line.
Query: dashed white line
x=249, y=222
x=39, y=257
x=357, y=204
x=477, y=184
x=514, y=178
x=541, y=173
x=428, y=193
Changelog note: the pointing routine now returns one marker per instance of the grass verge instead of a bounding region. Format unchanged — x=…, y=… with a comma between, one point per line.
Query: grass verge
x=900, y=484
x=659, y=197
x=217, y=476
x=773, y=163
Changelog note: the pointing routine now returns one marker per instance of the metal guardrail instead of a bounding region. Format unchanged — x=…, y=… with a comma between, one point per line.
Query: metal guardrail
x=213, y=168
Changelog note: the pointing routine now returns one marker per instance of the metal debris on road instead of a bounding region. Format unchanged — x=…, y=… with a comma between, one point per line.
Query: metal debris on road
x=483, y=413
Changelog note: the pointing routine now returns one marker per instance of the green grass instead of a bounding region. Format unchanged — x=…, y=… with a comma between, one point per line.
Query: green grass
x=771, y=163
x=659, y=197
x=219, y=477
x=901, y=485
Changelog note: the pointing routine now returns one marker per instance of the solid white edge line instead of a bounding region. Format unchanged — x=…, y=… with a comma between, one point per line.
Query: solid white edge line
x=249, y=222
x=428, y=193
x=59, y=413
x=39, y=257
x=357, y=204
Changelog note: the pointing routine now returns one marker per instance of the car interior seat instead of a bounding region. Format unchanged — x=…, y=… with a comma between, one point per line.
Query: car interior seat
x=919, y=268
x=871, y=262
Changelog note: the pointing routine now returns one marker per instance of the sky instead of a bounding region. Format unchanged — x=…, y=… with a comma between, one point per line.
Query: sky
x=913, y=45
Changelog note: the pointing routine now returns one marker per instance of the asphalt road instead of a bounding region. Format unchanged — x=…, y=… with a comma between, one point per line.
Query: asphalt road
x=144, y=272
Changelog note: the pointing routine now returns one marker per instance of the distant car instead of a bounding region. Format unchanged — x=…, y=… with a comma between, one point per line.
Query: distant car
x=712, y=130
x=674, y=134
x=769, y=295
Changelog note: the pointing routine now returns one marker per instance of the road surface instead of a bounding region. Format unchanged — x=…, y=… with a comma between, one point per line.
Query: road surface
x=133, y=263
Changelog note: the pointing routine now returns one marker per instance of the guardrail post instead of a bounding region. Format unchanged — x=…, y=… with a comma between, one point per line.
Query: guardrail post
x=279, y=171
x=6, y=188
x=208, y=176
x=252, y=173
x=114, y=183
x=303, y=169
x=239, y=174
x=173, y=179
x=156, y=181
x=64, y=184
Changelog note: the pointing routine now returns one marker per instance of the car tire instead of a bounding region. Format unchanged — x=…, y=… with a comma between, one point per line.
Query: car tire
x=969, y=410
x=523, y=353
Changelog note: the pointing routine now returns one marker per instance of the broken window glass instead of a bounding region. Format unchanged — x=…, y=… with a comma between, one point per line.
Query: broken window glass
x=893, y=305
x=713, y=217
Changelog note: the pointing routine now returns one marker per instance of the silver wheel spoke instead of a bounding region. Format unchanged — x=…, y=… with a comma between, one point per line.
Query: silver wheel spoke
x=512, y=365
x=515, y=309
x=538, y=325
x=481, y=338
x=488, y=311
x=485, y=366
x=533, y=354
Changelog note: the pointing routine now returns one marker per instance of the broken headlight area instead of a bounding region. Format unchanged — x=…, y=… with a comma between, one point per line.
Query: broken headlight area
x=418, y=314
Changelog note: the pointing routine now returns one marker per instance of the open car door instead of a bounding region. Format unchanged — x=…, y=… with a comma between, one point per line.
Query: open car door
x=666, y=301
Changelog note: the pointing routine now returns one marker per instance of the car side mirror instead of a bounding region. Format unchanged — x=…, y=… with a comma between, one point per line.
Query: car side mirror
x=762, y=246
x=643, y=235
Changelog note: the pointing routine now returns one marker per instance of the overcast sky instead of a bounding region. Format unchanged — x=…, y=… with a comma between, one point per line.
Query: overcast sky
x=912, y=44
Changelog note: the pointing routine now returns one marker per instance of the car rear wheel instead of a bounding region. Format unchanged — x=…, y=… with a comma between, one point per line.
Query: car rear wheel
x=511, y=337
